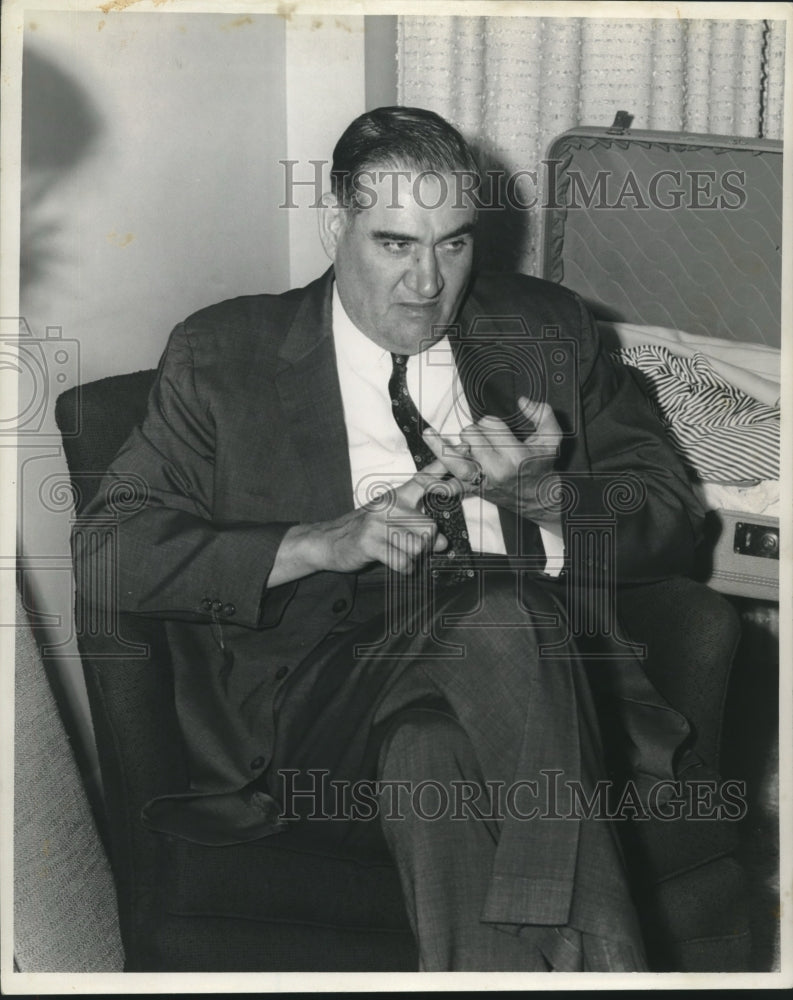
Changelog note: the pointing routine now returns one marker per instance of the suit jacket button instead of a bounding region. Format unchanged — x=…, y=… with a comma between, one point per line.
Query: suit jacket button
x=217, y=605
x=281, y=672
x=228, y=610
x=206, y=604
x=257, y=763
x=339, y=606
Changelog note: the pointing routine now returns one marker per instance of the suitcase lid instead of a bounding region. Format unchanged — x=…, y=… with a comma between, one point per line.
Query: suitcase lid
x=668, y=229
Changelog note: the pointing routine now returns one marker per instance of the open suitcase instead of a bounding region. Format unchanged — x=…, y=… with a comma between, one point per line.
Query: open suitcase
x=681, y=232
x=661, y=231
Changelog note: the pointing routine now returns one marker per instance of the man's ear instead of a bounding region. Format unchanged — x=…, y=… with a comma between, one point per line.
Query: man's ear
x=332, y=221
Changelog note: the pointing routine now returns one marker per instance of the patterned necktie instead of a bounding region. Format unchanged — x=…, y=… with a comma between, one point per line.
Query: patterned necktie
x=446, y=512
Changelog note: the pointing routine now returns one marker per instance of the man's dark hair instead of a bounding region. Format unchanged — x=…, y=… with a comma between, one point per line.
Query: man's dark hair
x=398, y=138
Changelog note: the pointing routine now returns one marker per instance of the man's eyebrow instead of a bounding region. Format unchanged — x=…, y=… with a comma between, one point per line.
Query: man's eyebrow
x=387, y=234
x=463, y=230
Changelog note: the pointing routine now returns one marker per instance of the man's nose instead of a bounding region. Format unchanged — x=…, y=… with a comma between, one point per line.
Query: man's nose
x=424, y=277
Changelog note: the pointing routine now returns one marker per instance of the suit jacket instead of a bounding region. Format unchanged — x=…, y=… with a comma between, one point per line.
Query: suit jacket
x=245, y=436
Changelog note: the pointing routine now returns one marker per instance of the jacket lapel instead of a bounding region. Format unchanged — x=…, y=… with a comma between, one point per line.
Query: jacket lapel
x=491, y=388
x=308, y=387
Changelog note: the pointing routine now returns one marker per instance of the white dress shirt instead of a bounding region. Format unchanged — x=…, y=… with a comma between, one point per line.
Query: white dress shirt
x=379, y=455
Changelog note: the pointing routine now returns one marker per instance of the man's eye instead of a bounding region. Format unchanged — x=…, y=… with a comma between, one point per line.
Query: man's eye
x=455, y=246
x=396, y=246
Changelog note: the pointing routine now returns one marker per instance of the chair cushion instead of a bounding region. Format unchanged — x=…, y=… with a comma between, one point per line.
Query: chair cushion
x=215, y=944
x=281, y=878
x=697, y=920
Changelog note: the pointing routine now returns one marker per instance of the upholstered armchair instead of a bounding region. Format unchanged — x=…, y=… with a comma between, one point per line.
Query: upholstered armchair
x=286, y=902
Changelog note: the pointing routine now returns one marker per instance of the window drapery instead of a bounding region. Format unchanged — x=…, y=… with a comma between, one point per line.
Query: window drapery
x=511, y=84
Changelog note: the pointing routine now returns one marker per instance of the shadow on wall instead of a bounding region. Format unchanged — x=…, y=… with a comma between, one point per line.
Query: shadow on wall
x=501, y=229
x=60, y=125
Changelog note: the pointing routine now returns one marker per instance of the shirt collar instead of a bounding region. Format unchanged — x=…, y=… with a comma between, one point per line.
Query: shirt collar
x=362, y=354
x=358, y=351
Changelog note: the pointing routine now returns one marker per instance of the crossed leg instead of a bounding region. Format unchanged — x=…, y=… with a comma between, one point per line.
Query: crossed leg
x=486, y=893
x=519, y=893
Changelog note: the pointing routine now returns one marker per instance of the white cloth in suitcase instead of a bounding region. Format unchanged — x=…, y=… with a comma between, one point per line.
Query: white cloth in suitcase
x=719, y=401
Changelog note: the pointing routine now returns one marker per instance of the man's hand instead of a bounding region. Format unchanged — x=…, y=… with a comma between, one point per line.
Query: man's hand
x=392, y=530
x=491, y=461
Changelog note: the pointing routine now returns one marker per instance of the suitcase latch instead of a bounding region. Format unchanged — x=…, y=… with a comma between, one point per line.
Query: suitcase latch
x=756, y=540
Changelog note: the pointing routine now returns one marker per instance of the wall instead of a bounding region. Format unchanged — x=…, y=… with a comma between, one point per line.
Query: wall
x=152, y=187
x=161, y=211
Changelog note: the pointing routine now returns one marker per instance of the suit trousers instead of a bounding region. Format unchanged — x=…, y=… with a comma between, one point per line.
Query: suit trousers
x=444, y=691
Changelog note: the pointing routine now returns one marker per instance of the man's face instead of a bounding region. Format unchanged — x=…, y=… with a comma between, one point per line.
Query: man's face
x=402, y=264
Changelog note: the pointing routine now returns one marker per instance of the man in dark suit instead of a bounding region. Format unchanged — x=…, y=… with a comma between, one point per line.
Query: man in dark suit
x=353, y=505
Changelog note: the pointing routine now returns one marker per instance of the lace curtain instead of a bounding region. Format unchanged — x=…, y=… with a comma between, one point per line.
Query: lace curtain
x=511, y=84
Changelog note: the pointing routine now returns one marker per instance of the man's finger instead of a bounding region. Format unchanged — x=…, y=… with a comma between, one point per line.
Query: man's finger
x=401, y=558
x=454, y=458
x=441, y=543
x=475, y=438
x=495, y=436
x=546, y=427
x=483, y=452
x=403, y=548
x=412, y=490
